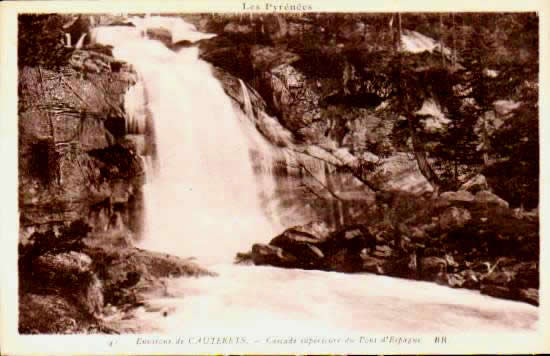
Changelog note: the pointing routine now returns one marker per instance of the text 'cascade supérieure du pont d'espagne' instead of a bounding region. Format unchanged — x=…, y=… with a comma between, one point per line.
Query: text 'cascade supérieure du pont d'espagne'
x=278, y=340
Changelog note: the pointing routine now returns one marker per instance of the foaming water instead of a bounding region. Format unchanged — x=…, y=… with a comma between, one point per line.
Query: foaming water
x=204, y=200
x=309, y=302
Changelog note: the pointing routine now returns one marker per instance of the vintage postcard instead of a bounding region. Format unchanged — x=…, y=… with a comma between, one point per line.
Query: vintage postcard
x=273, y=177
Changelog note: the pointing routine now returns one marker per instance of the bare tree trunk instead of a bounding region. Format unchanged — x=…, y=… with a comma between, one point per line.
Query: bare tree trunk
x=454, y=40
x=332, y=203
x=421, y=159
x=52, y=128
x=56, y=169
x=423, y=164
x=441, y=39
x=485, y=138
x=456, y=172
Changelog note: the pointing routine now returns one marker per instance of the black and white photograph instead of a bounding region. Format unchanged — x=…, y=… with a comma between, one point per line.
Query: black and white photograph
x=320, y=179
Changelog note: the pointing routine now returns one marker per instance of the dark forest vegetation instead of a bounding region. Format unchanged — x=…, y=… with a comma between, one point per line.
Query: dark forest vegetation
x=481, y=73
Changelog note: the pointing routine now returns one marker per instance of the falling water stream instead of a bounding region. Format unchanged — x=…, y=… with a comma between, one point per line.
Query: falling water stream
x=203, y=201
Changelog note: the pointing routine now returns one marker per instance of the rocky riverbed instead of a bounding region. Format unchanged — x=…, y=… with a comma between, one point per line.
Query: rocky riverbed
x=457, y=239
x=72, y=284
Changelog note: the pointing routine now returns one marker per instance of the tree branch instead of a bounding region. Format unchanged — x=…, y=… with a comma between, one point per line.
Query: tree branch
x=75, y=93
x=52, y=129
x=312, y=191
x=354, y=172
x=421, y=159
x=331, y=192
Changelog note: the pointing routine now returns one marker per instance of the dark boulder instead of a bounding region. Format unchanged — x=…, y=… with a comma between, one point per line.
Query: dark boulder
x=453, y=218
x=475, y=184
x=471, y=279
x=271, y=255
x=304, y=242
x=498, y=291
x=462, y=196
x=70, y=273
x=529, y=295
x=432, y=267
x=54, y=314
x=343, y=261
x=526, y=274
x=376, y=265
x=498, y=278
x=313, y=233
x=490, y=199
x=403, y=267
x=353, y=238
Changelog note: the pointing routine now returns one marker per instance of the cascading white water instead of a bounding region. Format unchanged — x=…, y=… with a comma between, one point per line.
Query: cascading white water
x=203, y=200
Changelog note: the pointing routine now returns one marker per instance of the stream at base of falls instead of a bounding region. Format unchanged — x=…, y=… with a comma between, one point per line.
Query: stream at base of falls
x=252, y=298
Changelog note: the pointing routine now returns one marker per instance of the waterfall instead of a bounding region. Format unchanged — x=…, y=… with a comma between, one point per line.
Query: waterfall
x=204, y=200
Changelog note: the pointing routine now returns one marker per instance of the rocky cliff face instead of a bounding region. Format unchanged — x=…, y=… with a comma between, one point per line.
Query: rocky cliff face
x=74, y=160
x=315, y=81
x=312, y=83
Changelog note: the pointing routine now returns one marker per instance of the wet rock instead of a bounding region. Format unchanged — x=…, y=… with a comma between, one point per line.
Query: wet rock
x=462, y=196
x=160, y=34
x=352, y=238
x=91, y=295
x=71, y=273
x=529, y=295
x=265, y=58
x=231, y=57
x=453, y=218
x=86, y=61
x=54, y=314
x=126, y=272
x=271, y=255
x=318, y=253
x=343, y=261
x=312, y=233
x=297, y=102
x=455, y=280
x=471, y=279
x=487, y=198
x=70, y=263
x=244, y=258
x=150, y=264
x=497, y=291
x=432, y=267
x=384, y=251
x=475, y=184
x=377, y=265
x=526, y=273
x=498, y=278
